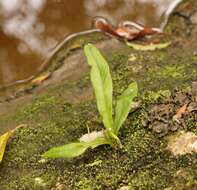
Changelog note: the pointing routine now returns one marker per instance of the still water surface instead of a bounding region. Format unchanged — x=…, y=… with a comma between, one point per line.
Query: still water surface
x=30, y=29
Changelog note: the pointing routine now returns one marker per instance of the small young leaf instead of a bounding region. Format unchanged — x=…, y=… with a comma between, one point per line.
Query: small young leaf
x=150, y=47
x=66, y=151
x=3, y=141
x=124, y=104
x=102, y=84
x=75, y=149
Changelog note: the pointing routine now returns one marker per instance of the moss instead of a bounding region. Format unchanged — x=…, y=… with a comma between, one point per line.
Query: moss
x=84, y=184
x=143, y=163
x=44, y=103
x=191, y=122
x=153, y=97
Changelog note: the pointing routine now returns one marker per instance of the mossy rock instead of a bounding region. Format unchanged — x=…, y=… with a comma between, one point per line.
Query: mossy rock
x=60, y=110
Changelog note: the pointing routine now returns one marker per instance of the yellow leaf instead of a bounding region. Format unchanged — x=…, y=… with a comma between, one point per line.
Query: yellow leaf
x=41, y=78
x=3, y=142
x=150, y=47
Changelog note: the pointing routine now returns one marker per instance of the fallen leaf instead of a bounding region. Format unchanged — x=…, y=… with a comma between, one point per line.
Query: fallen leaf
x=5, y=137
x=150, y=47
x=127, y=30
x=180, y=112
x=3, y=142
x=41, y=78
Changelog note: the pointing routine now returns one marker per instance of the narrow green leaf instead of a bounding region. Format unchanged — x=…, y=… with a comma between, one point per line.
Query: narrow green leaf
x=66, y=151
x=124, y=104
x=75, y=149
x=150, y=47
x=3, y=142
x=102, y=84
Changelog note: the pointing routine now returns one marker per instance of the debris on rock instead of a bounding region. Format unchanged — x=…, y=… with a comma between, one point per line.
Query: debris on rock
x=126, y=30
x=179, y=113
x=172, y=113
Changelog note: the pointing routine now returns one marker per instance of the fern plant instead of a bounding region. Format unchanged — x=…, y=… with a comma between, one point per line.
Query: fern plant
x=102, y=85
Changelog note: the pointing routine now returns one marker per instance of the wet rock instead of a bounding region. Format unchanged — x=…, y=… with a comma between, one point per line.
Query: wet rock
x=143, y=163
x=183, y=143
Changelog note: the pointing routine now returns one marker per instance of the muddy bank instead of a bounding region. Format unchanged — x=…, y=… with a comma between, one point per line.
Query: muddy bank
x=60, y=110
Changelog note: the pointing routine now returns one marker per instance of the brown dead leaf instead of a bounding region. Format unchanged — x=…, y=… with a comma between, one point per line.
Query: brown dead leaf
x=126, y=30
x=180, y=112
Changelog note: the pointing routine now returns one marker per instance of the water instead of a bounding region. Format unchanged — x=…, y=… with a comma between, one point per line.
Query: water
x=30, y=29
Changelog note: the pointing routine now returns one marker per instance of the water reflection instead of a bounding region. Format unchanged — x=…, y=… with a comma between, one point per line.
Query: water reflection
x=30, y=29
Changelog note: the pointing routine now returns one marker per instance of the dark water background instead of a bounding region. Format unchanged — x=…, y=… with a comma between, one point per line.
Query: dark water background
x=30, y=29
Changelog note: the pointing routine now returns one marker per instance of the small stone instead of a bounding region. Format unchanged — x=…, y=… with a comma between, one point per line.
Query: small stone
x=160, y=128
x=174, y=126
